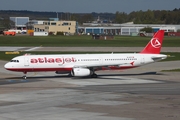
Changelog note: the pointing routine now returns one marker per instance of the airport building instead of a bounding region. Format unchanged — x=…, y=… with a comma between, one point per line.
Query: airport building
x=56, y=26
x=19, y=24
x=20, y=21
x=53, y=25
x=123, y=29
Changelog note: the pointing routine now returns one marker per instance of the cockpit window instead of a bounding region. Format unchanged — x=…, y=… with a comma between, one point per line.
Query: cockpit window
x=14, y=61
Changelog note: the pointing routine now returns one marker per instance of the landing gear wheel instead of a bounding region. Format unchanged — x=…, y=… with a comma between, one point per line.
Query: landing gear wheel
x=70, y=75
x=94, y=75
x=24, y=77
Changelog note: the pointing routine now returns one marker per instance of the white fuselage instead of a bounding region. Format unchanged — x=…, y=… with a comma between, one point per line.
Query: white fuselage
x=65, y=63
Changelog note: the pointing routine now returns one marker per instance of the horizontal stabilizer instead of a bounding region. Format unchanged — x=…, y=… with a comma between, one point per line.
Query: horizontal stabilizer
x=159, y=57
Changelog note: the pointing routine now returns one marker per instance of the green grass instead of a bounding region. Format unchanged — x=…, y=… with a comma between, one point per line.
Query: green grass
x=174, y=55
x=79, y=41
x=173, y=70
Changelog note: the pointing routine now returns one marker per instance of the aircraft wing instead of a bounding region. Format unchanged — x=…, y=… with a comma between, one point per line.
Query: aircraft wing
x=95, y=66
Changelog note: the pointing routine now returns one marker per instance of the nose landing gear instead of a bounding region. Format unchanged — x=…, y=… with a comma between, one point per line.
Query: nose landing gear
x=24, y=77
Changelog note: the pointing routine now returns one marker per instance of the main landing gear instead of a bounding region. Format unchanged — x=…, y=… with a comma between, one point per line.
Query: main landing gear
x=94, y=75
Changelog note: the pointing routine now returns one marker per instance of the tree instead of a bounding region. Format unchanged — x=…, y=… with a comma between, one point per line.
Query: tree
x=6, y=23
x=121, y=17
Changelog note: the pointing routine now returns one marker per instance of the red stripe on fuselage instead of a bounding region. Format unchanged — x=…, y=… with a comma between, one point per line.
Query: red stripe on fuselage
x=63, y=69
x=38, y=69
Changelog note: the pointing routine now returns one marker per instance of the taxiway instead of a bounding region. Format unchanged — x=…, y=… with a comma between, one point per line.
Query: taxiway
x=144, y=93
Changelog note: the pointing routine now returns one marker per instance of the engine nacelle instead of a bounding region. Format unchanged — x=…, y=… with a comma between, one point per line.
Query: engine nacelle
x=80, y=72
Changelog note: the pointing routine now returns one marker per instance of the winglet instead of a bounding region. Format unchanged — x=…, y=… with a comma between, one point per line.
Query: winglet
x=155, y=44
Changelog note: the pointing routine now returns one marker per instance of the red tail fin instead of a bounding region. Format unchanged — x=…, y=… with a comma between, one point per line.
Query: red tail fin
x=154, y=46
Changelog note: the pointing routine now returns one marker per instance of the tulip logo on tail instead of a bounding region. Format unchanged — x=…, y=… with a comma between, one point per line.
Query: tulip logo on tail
x=155, y=43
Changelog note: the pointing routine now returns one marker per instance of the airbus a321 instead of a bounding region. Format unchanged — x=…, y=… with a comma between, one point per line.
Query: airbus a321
x=86, y=64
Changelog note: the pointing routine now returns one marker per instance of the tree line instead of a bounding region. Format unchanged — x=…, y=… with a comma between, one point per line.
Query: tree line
x=138, y=17
x=150, y=17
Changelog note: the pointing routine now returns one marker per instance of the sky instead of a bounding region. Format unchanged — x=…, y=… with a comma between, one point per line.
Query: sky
x=89, y=6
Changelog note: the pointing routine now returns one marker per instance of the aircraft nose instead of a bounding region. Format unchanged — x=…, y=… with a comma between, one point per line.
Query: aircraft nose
x=7, y=65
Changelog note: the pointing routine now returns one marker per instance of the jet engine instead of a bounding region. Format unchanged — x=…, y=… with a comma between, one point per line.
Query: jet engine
x=80, y=72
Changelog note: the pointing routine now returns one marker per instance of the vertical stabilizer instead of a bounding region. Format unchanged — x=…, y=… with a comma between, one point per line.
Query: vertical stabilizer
x=155, y=44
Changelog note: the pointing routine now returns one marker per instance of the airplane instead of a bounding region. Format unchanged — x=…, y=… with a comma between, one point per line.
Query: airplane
x=80, y=65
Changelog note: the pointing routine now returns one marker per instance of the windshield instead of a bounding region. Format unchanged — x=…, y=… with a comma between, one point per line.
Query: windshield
x=14, y=61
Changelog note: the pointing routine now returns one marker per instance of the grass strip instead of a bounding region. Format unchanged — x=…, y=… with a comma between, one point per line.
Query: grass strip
x=83, y=41
x=173, y=70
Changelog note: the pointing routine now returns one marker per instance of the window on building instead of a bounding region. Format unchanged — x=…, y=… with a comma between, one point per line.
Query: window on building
x=65, y=24
x=37, y=29
x=69, y=28
x=53, y=23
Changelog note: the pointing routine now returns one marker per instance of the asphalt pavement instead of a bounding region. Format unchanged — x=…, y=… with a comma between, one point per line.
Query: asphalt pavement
x=144, y=93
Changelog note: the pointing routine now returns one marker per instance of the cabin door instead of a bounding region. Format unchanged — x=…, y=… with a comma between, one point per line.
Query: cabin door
x=142, y=60
x=26, y=61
